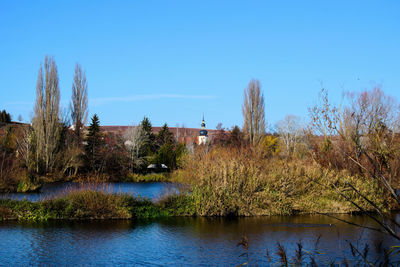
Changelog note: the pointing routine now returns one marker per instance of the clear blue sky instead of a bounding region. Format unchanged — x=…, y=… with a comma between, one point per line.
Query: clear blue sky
x=175, y=60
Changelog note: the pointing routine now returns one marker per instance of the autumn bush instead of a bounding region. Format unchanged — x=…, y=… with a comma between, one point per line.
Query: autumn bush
x=150, y=177
x=13, y=176
x=226, y=181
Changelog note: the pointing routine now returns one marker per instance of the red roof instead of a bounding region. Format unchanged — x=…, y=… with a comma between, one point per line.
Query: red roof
x=185, y=135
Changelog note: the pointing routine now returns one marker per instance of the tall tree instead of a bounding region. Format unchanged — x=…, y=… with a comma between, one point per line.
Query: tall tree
x=149, y=146
x=94, y=143
x=46, y=121
x=253, y=112
x=5, y=116
x=164, y=136
x=79, y=102
x=135, y=138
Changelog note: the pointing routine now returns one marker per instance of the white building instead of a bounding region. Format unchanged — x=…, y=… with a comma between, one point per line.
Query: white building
x=203, y=137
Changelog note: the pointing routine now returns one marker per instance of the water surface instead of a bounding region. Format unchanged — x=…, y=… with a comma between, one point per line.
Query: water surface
x=182, y=241
x=148, y=190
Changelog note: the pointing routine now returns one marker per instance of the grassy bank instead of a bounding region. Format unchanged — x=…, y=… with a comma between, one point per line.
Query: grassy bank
x=147, y=178
x=131, y=177
x=82, y=205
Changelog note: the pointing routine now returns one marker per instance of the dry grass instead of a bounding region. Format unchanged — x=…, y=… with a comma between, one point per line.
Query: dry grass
x=89, y=204
x=83, y=204
x=244, y=182
x=144, y=178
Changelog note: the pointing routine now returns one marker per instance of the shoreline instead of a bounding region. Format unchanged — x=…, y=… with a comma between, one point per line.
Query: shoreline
x=94, y=205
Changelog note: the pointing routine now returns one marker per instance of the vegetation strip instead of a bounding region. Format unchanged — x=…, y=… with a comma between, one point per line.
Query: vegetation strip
x=83, y=205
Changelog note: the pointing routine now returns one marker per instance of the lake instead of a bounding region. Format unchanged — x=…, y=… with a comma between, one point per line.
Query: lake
x=147, y=190
x=181, y=241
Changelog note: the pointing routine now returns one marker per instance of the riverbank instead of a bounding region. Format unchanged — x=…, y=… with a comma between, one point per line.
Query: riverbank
x=147, y=178
x=82, y=205
x=96, y=205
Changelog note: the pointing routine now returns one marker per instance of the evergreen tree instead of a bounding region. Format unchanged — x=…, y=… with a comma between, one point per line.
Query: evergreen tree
x=146, y=125
x=5, y=117
x=149, y=146
x=164, y=136
x=166, y=155
x=94, y=144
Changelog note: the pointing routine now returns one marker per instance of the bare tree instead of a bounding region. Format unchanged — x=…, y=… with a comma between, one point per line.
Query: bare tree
x=364, y=133
x=253, y=112
x=24, y=146
x=136, y=138
x=46, y=121
x=290, y=131
x=79, y=102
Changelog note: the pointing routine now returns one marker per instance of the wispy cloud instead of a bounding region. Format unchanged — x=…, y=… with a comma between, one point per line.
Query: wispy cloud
x=18, y=103
x=133, y=98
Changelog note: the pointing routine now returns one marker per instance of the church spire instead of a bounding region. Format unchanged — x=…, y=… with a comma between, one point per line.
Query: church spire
x=203, y=136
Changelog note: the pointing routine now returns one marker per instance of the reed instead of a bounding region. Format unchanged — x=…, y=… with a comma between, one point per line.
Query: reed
x=359, y=255
x=226, y=181
x=146, y=178
x=82, y=204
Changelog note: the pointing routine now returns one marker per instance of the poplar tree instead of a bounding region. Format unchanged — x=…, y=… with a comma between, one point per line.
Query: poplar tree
x=79, y=103
x=46, y=120
x=253, y=112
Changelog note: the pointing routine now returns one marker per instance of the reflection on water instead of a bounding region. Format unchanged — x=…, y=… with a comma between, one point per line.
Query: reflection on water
x=179, y=241
x=148, y=190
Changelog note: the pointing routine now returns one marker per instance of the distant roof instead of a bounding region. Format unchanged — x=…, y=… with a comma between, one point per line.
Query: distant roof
x=186, y=135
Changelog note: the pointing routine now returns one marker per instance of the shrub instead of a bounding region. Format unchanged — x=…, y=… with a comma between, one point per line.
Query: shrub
x=243, y=182
x=151, y=177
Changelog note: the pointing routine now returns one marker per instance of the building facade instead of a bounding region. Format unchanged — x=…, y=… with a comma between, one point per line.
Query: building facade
x=202, y=139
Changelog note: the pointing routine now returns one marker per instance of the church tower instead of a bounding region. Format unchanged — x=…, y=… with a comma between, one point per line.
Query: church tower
x=203, y=137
